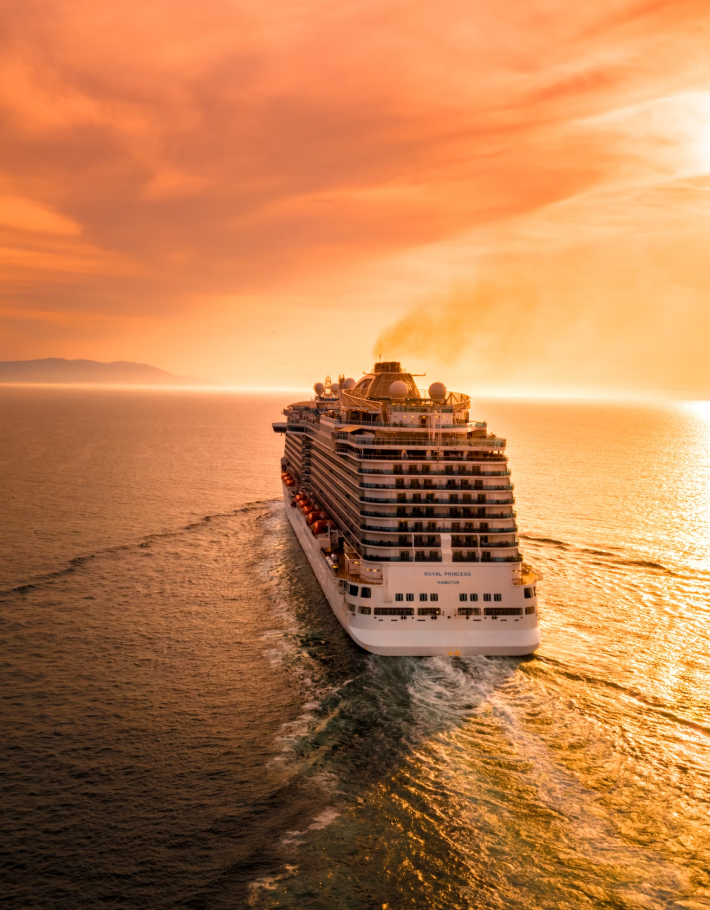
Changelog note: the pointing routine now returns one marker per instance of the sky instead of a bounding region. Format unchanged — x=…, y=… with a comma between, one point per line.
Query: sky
x=511, y=197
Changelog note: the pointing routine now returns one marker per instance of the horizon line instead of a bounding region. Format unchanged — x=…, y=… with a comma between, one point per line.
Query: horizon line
x=542, y=395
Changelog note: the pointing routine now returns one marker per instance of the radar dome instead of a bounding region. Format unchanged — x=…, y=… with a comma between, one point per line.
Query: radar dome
x=398, y=389
x=319, y=388
x=349, y=384
x=437, y=391
x=334, y=388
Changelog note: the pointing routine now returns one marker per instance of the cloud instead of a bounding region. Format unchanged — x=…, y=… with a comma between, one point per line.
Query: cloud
x=184, y=153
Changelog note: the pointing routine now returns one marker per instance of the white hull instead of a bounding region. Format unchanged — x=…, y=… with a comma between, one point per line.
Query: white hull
x=425, y=636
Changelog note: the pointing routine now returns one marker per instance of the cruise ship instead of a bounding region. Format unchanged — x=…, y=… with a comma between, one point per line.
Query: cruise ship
x=404, y=508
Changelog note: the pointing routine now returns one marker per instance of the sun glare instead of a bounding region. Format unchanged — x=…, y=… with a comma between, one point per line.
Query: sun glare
x=700, y=409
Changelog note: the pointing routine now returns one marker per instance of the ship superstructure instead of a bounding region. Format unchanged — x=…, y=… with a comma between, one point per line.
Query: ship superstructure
x=404, y=508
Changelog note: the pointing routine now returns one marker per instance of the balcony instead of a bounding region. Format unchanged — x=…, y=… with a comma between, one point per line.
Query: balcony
x=421, y=442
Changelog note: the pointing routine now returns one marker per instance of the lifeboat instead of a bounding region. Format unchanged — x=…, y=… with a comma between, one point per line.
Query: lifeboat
x=315, y=516
x=321, y=526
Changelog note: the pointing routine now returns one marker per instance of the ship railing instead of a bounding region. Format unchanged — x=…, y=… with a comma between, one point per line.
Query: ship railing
x=440, y=529
x=420, y=453
x=366, y=484
x=434, y=442
x=425, y=476
x=438, y=503
x=394, y=544
x=444, y=457
x=377, y=557
x=421, y=514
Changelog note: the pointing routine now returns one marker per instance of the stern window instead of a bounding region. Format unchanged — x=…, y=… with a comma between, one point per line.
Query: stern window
x=367, y=592
x=352, y=590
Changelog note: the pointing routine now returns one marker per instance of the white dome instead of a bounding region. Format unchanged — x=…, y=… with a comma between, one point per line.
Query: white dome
x=437, y=391
x=398, y=389
x=334, y=388
x=319, y=388
x=349, y=384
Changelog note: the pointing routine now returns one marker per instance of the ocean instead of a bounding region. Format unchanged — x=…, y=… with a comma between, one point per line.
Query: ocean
x=183, y=723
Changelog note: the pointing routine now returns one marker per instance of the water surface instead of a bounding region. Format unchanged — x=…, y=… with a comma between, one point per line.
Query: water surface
x=184, y=723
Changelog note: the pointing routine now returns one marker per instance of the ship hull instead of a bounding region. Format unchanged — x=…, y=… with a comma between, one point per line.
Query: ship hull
x=448, y=635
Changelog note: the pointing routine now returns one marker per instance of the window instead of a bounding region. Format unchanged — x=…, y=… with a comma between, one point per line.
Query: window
x=474, y=597
x=394, y=611
x=351, y=607
x=429, y=611
x=422, y=597
x=502, y=611
x=469, y=611
x=433, y=597
x=410, y=596
x=366, y=592
x=399, y=596
x=486, y=596
x=404, y=555
x=463, y=597
x=497, y=597
x=352, y=589
x=365, y=610
x=528, y=593
x=529, y=610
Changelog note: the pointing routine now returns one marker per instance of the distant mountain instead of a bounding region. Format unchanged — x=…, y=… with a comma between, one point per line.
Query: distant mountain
x=91, y=372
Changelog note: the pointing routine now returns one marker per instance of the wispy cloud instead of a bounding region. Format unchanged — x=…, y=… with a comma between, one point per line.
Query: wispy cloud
x=164, y=163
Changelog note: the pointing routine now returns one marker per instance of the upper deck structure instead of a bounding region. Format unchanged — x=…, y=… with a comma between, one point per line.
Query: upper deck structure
x=407, y=487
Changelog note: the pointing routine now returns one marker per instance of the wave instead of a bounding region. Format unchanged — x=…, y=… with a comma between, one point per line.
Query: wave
x=144, y=542
x=547, y=540
x=654, y=705
x=645, y=564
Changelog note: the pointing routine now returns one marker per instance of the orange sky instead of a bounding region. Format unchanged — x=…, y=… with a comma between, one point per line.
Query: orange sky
x=513, y=196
